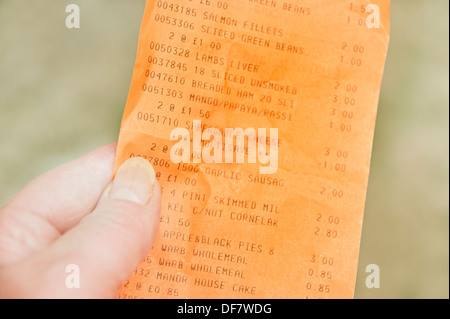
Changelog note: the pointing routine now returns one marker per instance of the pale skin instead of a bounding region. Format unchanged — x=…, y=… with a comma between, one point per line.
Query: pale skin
x=76, y=215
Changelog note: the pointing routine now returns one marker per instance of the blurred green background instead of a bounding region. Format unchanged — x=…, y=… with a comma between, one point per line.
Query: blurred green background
x=62, y=94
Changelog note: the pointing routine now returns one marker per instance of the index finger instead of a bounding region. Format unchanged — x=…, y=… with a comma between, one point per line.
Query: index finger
x=64, y=195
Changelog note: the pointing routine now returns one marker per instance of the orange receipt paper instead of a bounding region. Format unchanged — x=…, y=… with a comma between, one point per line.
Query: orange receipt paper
x=309, y=71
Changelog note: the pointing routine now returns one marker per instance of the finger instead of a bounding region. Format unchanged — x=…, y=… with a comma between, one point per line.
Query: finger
x=64, y=195
x=108, y=244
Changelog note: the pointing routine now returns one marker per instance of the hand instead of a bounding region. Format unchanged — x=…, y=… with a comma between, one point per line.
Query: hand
x=73, y=218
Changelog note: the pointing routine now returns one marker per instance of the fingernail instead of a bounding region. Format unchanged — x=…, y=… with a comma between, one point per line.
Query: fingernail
x=134, y=181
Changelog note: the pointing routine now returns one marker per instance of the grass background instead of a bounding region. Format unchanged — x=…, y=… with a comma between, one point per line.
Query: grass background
x=62, y=94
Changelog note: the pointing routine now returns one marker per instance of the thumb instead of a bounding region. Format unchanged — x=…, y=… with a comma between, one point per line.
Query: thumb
x=109, y=243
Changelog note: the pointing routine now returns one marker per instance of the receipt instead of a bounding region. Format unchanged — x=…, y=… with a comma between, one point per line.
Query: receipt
x=298, y=82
